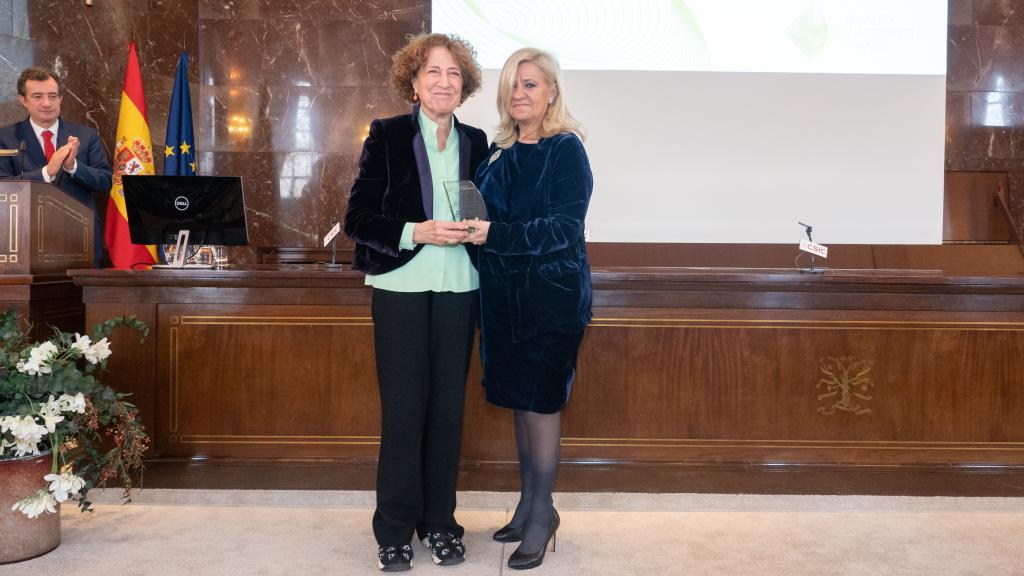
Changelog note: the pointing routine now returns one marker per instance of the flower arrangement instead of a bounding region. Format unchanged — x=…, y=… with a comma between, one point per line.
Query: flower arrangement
x=50, y=399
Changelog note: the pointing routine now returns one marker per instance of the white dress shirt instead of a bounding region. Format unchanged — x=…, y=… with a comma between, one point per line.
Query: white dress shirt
x=42, y=144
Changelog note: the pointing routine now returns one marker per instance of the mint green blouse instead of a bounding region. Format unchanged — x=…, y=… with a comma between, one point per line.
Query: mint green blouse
x=435, y=268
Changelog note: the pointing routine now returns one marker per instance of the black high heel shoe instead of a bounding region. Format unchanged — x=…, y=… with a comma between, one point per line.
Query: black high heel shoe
x=508, y=533
x=521, y=561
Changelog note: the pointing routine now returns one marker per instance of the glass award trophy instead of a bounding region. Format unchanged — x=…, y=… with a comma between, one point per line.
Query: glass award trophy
x=465, y=201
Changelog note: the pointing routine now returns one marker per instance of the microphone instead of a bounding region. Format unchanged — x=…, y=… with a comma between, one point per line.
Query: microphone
x=21, y=160
x=808, y=229
x=809, y=246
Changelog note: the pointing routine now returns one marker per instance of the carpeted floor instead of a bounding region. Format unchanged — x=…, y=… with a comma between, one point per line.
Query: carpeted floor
x=209, y=532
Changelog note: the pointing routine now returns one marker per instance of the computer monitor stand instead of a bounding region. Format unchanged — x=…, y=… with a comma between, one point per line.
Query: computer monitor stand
x=180, y=249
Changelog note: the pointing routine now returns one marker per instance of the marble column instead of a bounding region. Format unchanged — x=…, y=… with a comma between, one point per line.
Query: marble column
x=985, y=93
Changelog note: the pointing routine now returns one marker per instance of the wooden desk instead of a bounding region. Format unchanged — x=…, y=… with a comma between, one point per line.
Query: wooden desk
x=45, y=300
x=724, y=369
x=43, y=232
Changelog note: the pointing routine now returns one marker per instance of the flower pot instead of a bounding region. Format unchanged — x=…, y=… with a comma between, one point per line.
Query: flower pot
x=22, y=538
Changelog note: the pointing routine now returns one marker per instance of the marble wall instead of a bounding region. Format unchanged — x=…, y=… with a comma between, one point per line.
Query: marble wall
x=283, y=90
x=985, y=92
x=288, y=90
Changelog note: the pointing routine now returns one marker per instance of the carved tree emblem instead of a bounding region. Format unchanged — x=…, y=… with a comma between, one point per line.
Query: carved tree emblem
x=846, y=380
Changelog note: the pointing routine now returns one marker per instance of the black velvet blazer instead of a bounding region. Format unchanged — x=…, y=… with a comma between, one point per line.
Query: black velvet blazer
x=394, y=186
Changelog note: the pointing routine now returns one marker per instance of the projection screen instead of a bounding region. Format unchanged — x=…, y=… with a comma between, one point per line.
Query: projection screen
x=729, y=120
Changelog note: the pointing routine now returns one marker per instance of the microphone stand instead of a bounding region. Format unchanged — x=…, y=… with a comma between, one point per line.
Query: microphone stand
x=21, y=160
x=812, y=269
x=809, y=239
x=333, y=265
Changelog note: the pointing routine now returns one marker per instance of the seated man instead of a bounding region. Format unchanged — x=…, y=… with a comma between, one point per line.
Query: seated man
x=56, y=151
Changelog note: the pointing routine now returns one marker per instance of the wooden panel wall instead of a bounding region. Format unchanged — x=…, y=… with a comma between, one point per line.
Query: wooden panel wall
x=267, y=381
x=804, y=387
x=706, y=368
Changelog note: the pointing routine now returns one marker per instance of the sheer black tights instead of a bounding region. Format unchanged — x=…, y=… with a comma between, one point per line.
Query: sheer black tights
x=538, y=439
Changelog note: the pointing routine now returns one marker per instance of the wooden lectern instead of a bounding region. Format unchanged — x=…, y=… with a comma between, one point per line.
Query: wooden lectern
x=43, y=233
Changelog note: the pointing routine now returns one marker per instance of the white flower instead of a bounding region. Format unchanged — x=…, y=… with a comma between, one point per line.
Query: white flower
x=27, y=434
x=38, y=359
x=98, y=352
x=74, y=403
x=64, y=485
x=81, y=343
x=51, y=407
x=46, y=350
x=36, y=504
x=26, y=446
x=50, y=413
x=50, y=421
x=33, y=366
x=6, y=423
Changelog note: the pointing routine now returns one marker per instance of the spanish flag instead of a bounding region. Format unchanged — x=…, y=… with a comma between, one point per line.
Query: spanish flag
x=133, y=154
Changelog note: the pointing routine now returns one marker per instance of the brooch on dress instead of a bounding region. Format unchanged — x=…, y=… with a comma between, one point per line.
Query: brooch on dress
x=494, y=156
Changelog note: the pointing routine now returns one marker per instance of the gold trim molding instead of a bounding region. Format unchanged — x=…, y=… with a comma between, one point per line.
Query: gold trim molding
x=174, y=381
x=782, y=324
x=281, y=439
x=277, y=320
x=12, y=241
x=790, y=444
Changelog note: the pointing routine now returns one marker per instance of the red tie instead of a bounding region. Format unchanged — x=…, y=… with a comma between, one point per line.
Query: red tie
x=48, y=144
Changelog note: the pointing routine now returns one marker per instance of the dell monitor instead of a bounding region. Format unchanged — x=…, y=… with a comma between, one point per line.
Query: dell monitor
x=185, y=209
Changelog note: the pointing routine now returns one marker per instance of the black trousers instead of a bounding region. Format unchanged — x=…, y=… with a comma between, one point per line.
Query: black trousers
x=423, y=345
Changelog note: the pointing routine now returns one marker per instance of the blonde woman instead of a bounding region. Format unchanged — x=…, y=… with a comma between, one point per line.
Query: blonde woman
x=534, y=280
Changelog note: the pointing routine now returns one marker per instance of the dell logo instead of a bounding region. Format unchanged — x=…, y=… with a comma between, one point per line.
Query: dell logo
x=181, y=203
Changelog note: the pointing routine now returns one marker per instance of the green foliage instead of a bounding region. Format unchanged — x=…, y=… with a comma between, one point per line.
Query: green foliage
x=105, y=441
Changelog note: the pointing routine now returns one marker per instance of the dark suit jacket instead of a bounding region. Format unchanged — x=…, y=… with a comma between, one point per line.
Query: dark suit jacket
x=394, y=187
x=93, y=172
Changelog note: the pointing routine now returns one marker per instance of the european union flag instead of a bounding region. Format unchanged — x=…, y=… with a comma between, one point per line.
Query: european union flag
x=179, y=154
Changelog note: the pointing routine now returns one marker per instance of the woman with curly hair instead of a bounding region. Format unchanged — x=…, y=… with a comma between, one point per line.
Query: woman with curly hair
x=425, y=293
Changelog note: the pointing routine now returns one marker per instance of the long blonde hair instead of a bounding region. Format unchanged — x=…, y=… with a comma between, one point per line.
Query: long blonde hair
x=557, y=118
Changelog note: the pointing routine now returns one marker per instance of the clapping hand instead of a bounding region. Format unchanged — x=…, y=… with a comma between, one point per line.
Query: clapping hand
x=60, y=158
x=72, y=152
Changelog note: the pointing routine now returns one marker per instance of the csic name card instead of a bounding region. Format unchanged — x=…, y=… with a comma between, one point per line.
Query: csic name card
x=330, y=235
x=816, y=249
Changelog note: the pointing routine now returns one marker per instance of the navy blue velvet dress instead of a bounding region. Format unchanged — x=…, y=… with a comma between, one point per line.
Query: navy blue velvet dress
x=534, y=274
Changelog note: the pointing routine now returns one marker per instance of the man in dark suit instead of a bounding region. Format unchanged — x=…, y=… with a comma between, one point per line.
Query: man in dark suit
x=67, y=155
